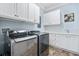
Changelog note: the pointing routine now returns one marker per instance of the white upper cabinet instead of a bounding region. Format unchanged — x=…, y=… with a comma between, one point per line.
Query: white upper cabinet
x=52, y=18
x=37, y=14
x=31, y=12
x=7, y=9
x=34, y=13
x=21, y=10
x=17, y=11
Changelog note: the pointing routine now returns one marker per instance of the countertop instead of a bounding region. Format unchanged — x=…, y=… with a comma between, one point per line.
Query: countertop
x=65, y=33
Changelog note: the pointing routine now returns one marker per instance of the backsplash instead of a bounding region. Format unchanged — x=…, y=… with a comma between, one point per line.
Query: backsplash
x=14, y=25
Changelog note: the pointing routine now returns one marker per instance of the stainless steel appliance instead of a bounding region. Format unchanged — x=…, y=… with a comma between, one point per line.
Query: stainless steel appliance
x=26, y=46
x=43, y=42
x=6, y=41
x=18, y=43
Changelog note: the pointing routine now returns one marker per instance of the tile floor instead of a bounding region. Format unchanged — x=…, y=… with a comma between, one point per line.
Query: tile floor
x=58, y=52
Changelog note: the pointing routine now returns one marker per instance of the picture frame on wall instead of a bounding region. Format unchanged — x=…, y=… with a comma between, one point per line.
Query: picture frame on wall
x=69, y=17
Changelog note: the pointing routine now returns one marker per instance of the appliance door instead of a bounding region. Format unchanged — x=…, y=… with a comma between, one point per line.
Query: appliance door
x=24, y=48
x=44, y=45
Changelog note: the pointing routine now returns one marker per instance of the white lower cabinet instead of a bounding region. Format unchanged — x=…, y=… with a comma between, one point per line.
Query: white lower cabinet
x=68, y=42
x=61, y=41
x=52, y=38
x=73, y=43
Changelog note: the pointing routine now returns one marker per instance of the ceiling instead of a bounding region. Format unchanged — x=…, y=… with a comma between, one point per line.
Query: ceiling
x=50, y=6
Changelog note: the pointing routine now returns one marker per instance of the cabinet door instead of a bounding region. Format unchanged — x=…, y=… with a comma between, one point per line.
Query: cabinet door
x=68, y=42
x=21, y=10
x=52, y=38
x=37, y=14
x=7, y=9
x=31, y=12
x=46, y=19
x=73, y=43
x=52, y=18
x=61, y=41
